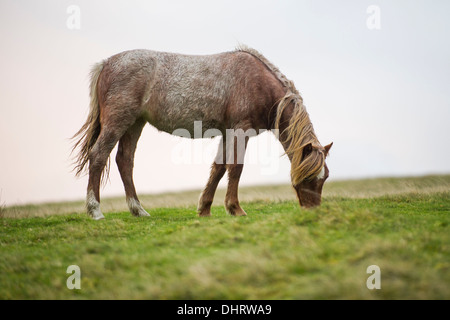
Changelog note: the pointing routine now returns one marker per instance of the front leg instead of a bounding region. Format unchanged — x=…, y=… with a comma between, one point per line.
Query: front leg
x=231, y=199
x=235, y=164
x=207, y=196
x=217, y=171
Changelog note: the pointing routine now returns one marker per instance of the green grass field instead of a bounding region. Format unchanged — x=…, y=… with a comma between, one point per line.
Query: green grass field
x=278, y=251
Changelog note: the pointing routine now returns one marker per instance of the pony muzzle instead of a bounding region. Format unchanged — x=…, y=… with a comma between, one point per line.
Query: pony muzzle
x=308, y=198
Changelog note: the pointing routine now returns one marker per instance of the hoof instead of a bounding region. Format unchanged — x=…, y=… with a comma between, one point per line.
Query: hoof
x=96, y=214
x=205, y=213
x=93, y=207
x=239, y=213
x=139, y=212
x=136, y=208
x=143, y=213
x=236, y=211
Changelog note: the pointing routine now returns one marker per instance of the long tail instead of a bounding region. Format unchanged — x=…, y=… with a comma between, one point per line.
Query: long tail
x=89, y=132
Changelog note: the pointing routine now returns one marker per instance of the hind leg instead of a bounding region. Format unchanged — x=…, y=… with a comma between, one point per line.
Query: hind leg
x=113, y=127
x=98, y=158
x=125, y=163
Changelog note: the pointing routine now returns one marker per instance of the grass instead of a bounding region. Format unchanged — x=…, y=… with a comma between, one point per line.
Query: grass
x=277, y=252
x=364, y=188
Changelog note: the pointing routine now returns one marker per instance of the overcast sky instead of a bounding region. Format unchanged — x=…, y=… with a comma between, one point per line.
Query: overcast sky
x=375, y=81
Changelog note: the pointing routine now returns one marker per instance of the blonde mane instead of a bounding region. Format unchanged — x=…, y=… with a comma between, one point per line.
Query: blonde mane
x=300, y=132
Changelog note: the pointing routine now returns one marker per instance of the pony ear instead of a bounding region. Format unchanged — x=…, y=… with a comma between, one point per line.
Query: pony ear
x=307, y=150
x=327, y=148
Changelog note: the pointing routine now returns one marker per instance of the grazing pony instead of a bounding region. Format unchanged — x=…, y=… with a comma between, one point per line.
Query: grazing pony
x=237, y=90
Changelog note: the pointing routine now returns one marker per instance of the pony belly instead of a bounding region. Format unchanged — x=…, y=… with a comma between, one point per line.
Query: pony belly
x=189, y=127
x=187, y=119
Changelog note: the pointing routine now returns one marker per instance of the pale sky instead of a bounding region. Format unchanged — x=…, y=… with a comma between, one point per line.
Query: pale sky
x=381, y=95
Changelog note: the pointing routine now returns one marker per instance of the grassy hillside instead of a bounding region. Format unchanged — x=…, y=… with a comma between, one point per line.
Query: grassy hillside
x=277, y=252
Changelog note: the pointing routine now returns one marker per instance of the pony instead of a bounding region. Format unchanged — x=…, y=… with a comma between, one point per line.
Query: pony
x=239, y=90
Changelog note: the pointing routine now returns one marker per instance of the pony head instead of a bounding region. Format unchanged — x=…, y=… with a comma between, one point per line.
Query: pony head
x=313, y=165
x=308, y=168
